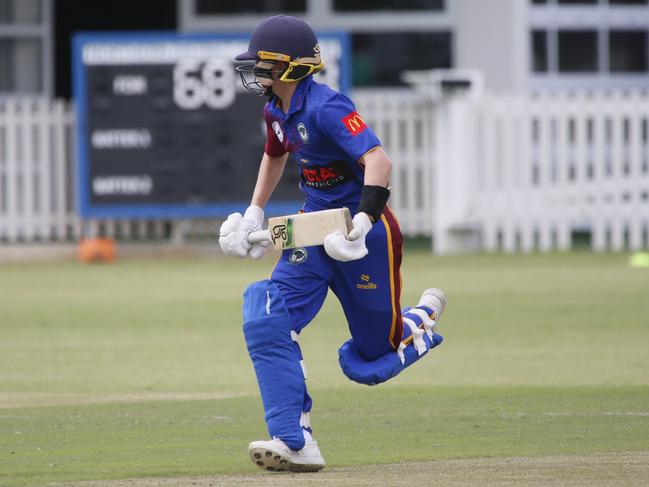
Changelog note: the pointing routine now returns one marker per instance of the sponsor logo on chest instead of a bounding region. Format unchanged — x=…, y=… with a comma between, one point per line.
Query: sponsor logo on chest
x=325, y=177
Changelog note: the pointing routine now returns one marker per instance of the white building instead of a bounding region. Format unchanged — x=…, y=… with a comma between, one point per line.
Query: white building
x=519, y=45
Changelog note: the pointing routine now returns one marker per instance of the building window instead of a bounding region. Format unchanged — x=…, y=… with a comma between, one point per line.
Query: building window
x=20, y=12
x=590, y=2
x=577, y=2
x=379, y=58
x=375, y=5
x=578, y=51
x=21, y=65
x=24, y=50
x=216, y=7
x=627, y=2
x=6, y=63
x=627, y=51
x=593, y=43
x=539, y=51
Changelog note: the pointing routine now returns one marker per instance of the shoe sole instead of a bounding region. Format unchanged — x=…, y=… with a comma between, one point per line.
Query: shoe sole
x=272, y=461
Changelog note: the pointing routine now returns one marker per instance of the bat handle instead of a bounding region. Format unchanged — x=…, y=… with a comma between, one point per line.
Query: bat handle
x=259, y=236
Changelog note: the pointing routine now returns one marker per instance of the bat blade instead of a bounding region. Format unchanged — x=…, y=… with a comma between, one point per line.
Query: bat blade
x=307, y=229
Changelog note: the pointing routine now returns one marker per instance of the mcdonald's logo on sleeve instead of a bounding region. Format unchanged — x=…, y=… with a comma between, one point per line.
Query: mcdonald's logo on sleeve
x=354, y=123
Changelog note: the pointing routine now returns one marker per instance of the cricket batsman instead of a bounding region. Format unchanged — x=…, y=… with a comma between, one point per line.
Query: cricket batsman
x=342, y=164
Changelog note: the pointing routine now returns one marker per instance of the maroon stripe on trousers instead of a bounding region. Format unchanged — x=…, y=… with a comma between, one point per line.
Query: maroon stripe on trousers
x=397, y=254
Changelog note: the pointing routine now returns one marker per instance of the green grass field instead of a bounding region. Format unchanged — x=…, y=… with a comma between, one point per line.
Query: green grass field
x=139, y=370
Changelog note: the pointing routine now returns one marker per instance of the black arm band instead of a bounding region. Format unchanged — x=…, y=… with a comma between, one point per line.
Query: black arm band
x=373, y=200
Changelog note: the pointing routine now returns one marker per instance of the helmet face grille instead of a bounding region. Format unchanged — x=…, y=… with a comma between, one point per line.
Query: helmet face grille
x=250, y=73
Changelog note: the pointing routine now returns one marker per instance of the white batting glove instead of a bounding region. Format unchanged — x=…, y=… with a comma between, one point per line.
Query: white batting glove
x=233, y=235
x=253, y=220
x=352, y=248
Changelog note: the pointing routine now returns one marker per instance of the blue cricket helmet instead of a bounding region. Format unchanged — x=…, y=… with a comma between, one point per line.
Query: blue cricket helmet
x=279, y=39
x=286, y=37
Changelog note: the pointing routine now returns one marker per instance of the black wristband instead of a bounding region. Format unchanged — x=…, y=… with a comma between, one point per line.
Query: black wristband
x=373, y=200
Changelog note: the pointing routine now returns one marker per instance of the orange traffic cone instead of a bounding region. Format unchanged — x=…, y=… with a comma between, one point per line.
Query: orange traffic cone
x=96, y=250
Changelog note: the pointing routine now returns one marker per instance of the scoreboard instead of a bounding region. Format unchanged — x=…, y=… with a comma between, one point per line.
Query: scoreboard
x=166, y=130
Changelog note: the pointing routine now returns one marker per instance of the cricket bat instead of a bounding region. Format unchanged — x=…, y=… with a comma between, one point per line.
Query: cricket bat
x=303, y=229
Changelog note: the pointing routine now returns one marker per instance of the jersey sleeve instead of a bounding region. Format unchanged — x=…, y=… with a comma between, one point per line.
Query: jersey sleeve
x=340, y=121
x=273, y=146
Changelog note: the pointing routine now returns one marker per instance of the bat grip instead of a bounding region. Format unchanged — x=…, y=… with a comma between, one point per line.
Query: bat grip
x=259, y=236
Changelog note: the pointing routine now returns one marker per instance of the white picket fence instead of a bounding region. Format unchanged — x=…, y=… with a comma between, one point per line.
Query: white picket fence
x=555, y=165
x=36, y=171
x=572, y=163
x=405, y=123
x=489, y=173
x=514, y=173
x=37, y=179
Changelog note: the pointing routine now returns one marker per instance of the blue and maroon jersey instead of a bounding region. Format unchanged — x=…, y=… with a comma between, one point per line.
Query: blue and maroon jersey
x=328, y=138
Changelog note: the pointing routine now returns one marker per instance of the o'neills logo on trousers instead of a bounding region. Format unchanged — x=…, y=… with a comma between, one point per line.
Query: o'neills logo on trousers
x=369, y=285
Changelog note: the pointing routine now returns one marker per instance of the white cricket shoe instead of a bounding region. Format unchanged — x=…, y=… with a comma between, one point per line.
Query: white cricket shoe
x=274, y=456
x=434, y=299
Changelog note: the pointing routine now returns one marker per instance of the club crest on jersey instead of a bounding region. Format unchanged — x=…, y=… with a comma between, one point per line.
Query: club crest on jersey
x=304, y=135
x=354, y=123
x=278, y=131
x=298, y=255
